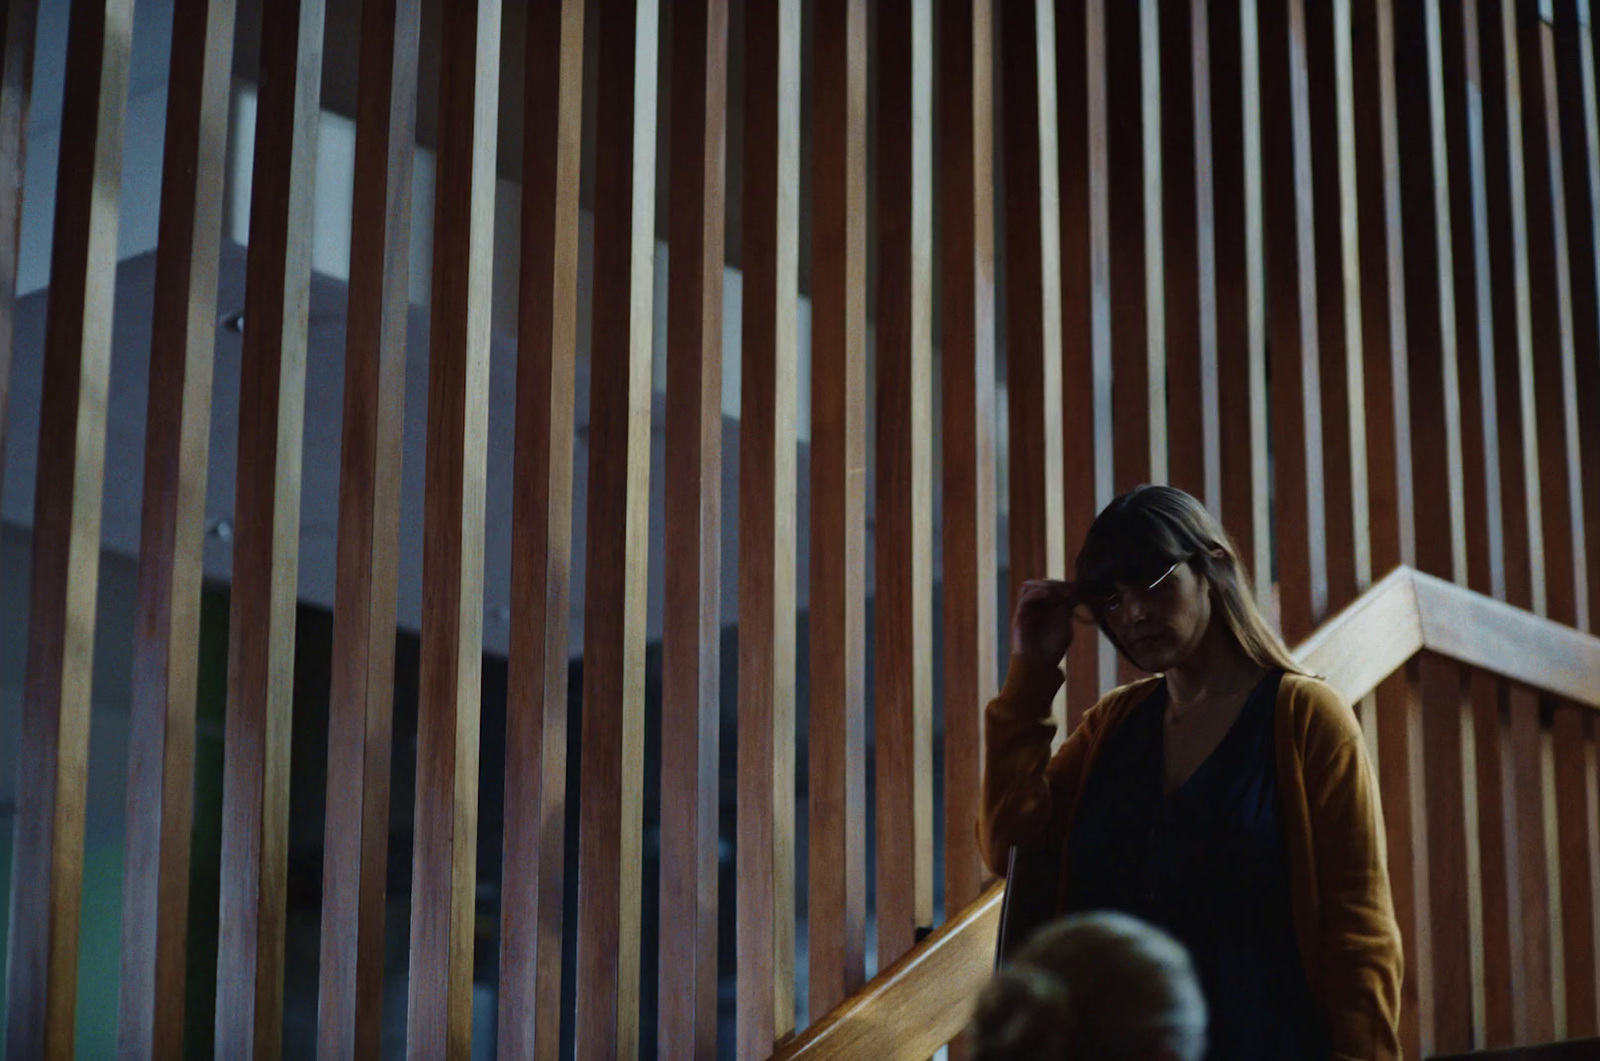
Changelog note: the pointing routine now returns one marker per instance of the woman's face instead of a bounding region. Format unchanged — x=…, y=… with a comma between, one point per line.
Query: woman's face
x=1160, y=627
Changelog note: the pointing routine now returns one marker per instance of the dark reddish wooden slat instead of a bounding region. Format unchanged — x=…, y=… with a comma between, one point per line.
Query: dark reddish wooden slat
x=611, y=809
x=249, y=1015
x=18, y=23
x=1496, y=838
x=533, y=872
x=1444, y=772
x=1401, y=781
x=967, y=430
x=53, y=751
x=691, y=660
x=836, y=797
x=1572, y=730
x=444, y=863
x=903, y=513
x=361, y=707
x=1241, y=334
x=1533, y=978
x=1085, y=311
x=767, y=532
x=1291, y=306
x=155, y=894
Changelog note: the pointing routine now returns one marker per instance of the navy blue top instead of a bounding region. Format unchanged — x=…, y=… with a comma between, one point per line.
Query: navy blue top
x=1208, y=864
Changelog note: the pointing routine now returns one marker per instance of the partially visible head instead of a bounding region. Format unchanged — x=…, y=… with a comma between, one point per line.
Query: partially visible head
x=1152, y=531
x=1093, y=987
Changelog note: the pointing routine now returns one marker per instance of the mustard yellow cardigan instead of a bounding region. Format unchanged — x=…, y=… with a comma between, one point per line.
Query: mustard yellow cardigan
x=1332, y=822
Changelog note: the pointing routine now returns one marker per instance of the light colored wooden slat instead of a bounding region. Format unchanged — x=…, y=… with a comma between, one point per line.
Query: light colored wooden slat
x=691, y=642
x=611, y=808
x=53, y=752
x=1033, y=293
x=903, y=627
x=836, y=797
x=249, y=1015
x=918, y=1004
x=155, y=896
x=767, y=533
x=1241, y=326
x=967, y=430
x=1555, y=397
x=18, y=22
x=361, y=698
x=1085, y=312
x=1291, y=302
x=444, y=863
x=1572, y=730
x=534, y=868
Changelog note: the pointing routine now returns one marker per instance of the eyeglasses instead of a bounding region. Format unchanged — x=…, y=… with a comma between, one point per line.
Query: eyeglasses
x=1102, y=606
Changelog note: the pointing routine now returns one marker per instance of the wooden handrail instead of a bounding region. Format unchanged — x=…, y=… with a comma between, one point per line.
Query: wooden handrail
x=923, y=1001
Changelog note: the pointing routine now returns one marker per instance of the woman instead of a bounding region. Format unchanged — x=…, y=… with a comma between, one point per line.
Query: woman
x=1093, y=987
x=1229, y=800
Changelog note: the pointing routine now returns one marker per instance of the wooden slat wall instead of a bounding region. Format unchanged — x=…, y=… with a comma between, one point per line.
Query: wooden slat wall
x=533, y=873
x=360, y=717
x=611, y=811
x=444, y=857
x=836, y=741
x=903, y=514
x=249, y=1014
x=967, y=427
x=53, y=750
x=155, y=910
x=692, y=631
x=765, y=894
x=18, y=25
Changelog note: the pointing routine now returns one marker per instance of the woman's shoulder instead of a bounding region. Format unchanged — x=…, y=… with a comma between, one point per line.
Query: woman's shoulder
x=1316, y=710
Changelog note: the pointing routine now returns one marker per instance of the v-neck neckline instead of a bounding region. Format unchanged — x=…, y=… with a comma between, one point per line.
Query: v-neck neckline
x=1167, y=795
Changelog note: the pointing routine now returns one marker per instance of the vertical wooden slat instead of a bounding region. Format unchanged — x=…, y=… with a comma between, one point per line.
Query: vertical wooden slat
x=361, y=708
x=1133, y=145
x=1402, y=780
x=444, y=864
x=249, y=1015
x=767, y=531
x=1338, y=293
x=836, y=797
x=611, y=811
x=18, y=22
x=1496, y=837
x=1555, y=399
x=1571, y=729
x=1241, y=330
x=1085, y=312
x=1291, y=302
x=691, y=642
x=967, y=430
x=903, y=628
x=1536, y=1006
x=155, y=893
x=1033, y=292
x=52, y=755
x=534, y=867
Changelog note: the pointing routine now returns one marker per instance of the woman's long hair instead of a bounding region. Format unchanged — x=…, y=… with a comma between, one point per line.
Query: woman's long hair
x=1148, y=529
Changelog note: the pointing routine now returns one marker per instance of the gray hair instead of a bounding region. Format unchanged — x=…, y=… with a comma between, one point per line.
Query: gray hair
x=1092, y=987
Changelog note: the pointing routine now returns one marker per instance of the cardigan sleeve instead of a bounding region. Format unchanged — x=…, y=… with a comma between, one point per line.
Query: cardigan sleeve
x=1017, y=802
x=1360, y=955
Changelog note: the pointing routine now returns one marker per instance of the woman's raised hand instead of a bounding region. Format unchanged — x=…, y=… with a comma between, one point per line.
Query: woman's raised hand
x=1041, y=624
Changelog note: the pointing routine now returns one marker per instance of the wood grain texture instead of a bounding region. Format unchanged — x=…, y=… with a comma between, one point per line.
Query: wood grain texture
x=1444, y=711
x=534, y=867
x=18, y=26
x=361, y=697
x=1501, y=887
x=692, y=632
x=1353, y=664
x=903, y=513
x=1573, y=729
x=765, y=895
x=1292, y=314
x=1241, y=324
x=444, y=861
x=1085, y=312
x=155, y=894
x=836, y=742
x=1401, y=783
x=611, y=810
x=967, y=428
x=249, y=1013
x=1033, y=293
x=53, y=751
x=1533, y=978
